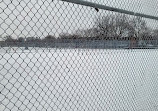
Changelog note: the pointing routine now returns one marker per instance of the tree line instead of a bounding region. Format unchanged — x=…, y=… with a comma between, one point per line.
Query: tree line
x=109, y=27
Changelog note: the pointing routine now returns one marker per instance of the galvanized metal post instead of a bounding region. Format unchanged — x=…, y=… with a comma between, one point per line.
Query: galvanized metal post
x=104, y=7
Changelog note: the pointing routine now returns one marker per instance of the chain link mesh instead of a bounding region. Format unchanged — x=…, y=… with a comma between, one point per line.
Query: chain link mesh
x=62, y=56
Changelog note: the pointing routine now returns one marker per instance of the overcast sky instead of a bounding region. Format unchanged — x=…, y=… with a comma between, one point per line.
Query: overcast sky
x=38, y=18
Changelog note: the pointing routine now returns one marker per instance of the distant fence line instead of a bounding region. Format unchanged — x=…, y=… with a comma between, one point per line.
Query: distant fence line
x=82, y=43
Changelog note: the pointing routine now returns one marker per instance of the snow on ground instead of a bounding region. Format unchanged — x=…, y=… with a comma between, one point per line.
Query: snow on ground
x=78, y=79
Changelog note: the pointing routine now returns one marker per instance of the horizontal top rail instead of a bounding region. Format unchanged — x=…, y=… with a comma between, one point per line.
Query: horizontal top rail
x=104, y=7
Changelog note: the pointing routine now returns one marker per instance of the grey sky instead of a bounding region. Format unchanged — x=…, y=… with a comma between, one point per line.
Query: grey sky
x=38, y=18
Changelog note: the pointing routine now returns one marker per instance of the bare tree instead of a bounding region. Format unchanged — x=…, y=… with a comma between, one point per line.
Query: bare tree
x=114, y=26
x=121, y=27
x=21, y=39
x=155, y=36
x=8, y=38
x=139, y=27
x=49, y=38
x=105, y=25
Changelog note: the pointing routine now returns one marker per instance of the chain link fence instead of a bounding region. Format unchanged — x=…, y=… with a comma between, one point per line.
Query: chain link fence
x=75, y=55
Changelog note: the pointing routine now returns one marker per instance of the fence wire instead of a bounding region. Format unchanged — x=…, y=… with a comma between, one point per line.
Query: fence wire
x=56, y=55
